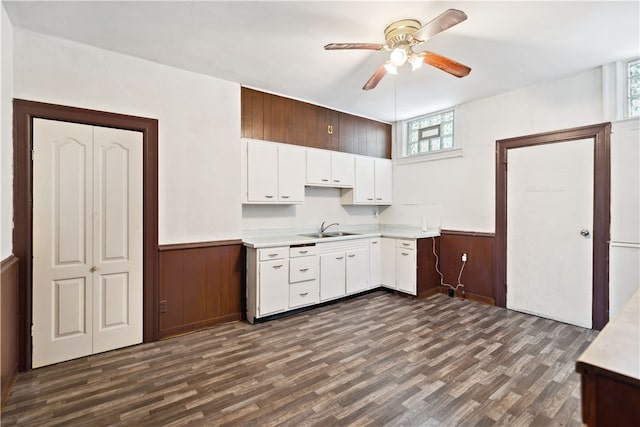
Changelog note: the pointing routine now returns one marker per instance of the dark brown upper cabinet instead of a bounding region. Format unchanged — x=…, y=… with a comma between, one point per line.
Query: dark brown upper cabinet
x=278, y=119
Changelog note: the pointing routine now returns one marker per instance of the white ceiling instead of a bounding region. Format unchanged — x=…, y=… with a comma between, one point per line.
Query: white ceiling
x=278, y=46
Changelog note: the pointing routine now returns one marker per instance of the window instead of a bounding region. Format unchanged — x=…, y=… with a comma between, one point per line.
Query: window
x=430, y=133
x=633, y=88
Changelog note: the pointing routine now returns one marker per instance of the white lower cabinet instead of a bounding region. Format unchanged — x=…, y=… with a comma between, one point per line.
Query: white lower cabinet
x=357, y=270
x=375, y=262
x=344, y=268
x=399, y=265
x=332, y=276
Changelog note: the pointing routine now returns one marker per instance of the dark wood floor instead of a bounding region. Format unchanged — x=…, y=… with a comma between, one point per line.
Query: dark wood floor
x=380, y=359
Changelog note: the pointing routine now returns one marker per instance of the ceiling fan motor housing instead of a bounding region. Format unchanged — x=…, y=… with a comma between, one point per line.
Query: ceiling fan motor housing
x=400, y=33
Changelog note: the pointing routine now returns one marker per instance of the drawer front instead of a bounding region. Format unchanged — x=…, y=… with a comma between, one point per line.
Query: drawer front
x=406, y=244
x=302, y=269
x=273, y=253
x=302, y=251
x=303, y=293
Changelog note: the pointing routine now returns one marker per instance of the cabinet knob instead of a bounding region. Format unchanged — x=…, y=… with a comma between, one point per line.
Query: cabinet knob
x=304, y=269
x=304, y=294
x=406, y=244
x=272, y=255
x=268, y=196
x=352, y=255
x=404, y=253
x=277, y=266
x=339, y=257
x=378, y=198
x=324, y=180
x=285, y=197
x=303, y=252
x=336, y=180
x=374, y=243
x=369, y=198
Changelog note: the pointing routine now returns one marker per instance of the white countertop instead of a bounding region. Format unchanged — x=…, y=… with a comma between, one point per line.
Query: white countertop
x=268, y=239
x=617, y=346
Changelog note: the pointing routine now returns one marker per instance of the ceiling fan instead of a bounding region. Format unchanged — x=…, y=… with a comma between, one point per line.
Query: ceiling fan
x=401, y=37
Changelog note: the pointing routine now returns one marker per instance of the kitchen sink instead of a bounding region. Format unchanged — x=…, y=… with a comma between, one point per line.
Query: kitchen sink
x=330, y=234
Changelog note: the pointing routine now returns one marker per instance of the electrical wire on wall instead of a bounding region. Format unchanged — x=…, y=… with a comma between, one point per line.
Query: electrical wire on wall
x=442, y=283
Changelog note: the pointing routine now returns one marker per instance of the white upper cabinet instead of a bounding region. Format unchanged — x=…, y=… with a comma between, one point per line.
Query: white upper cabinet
x=329, y=168
x=364, y=188
x=342, y=169
x=383, y=178
x=291, y=174
x=275, y=173
x=262, y=172
x=373, y=182
x=318, y=167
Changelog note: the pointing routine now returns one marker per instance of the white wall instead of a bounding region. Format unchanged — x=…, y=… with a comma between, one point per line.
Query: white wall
x=199, y=125
x=321, y=204
x=459, y=192
x=6, y=136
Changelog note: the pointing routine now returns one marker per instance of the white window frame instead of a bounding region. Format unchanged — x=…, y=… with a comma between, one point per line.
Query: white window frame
x=401, y=137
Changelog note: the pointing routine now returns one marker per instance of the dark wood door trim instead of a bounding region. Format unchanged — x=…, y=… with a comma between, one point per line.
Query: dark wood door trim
x=23, y=114
x=600, y=133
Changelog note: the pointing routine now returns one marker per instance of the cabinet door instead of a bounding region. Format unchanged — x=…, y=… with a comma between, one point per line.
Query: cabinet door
x=375, y=262
x=291, y=174
x=342, y=170
x=332, y=276
x=273, y=286
x=383, y=181
x=357, y=270
x=318, y=167
x=406, y=270
x=262, y=172
x=388, y=262
x=364, y=181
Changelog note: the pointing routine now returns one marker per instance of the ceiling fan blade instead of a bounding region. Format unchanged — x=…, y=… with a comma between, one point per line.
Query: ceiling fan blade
x=446, y=19
x=368, y=46
x=375, y=78
x=445, y=64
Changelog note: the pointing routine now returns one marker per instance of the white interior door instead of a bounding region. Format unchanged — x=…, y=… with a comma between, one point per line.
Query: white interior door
x=549, y=227
x=87, y=240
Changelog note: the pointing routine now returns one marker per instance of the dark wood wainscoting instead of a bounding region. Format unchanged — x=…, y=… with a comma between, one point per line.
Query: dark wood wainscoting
x=428, y=278
x=478, y=275
x=10, y=320
x=200, y=285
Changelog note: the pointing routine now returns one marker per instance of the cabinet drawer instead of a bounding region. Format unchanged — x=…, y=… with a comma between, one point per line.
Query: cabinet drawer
x=273, y=253
x=406, y=244
x=304, y=268
x=302, y=251
x=303, y=293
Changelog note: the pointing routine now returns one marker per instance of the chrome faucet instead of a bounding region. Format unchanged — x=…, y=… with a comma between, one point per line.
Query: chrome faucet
x=323, y=228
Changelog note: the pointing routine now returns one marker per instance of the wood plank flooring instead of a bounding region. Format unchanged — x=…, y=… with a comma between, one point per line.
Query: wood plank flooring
x=380, y=360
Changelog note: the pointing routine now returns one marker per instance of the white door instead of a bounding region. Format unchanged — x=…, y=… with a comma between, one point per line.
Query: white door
x=262, y=170
x=365, y=181
x=383, y=181
x=406, y=274
x=342, y=169
x=87, y=240
x=375, y=262
x=274, y=286
x=291, y=174
x=549, y=227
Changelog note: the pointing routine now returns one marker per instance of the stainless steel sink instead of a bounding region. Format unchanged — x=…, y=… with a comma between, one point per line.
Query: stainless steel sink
x=331, y=234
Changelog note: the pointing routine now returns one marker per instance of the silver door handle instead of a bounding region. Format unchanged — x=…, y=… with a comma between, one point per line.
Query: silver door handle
x=584, y=232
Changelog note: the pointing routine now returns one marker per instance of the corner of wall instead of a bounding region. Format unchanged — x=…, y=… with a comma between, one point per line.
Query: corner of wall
x=6, y=135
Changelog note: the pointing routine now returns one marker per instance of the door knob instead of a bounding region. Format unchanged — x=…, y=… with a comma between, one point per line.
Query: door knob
x=584, y=232
x=94, y=269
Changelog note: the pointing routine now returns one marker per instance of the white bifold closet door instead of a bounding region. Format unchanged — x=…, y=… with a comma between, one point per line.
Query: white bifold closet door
x=87, y=240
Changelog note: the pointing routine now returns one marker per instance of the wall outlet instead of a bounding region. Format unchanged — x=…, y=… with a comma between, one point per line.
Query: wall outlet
x=464, y=258
x=163, y=306
x=451, y=292
x=375, y=213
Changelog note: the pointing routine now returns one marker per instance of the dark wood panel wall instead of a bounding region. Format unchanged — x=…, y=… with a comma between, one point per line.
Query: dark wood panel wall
x=478, y=275
x=428, y=278
x=200, y=285
x=9, y=317
x=275, y=118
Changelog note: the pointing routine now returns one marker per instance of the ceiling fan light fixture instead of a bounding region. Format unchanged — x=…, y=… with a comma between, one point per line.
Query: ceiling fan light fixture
x=391, y=67
x=398, y=56
x=416, y=61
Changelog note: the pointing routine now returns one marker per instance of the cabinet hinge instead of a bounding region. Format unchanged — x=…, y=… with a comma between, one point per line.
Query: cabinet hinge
x=32, y=329
x=33, y=152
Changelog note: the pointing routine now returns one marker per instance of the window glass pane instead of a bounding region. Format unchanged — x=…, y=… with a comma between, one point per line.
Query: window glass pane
x=633, y=88
x=436, y=131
